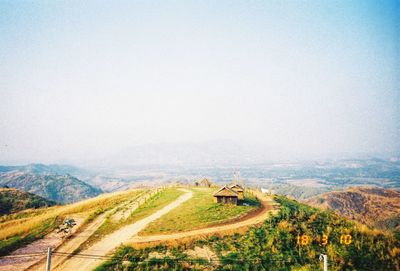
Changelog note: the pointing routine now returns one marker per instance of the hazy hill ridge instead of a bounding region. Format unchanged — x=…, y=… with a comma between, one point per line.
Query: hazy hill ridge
x=51, y=182
x=13, y=200
x=44, y=169
x=376, y=207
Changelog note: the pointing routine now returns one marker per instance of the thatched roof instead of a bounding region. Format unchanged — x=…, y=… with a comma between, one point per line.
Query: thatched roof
x=225, y=191
x=205, y=181
x=236, y=187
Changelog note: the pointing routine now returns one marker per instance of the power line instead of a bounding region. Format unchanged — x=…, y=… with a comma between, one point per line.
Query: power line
x=69, y=254
x=96, y=256
x=22, y=256
x=156, y=260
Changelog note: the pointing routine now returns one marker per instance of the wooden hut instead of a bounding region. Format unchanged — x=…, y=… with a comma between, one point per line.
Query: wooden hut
x=226, y=195
x=239, y=190
x=204, y=183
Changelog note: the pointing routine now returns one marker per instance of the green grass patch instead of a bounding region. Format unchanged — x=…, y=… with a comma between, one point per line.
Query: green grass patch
x=154, y=204
x=200, y=211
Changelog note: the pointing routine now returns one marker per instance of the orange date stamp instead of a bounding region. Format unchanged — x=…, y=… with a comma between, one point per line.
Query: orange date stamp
x=304, y=239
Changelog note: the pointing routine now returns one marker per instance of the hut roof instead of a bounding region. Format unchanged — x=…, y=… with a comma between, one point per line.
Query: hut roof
x=205, y=181
x=236, y=187
x=225, y=191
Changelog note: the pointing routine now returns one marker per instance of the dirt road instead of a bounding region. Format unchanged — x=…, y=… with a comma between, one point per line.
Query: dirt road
x=73, y=243
x=76, y=240
x=115, y=239
x=52, y=239
x=252, y=220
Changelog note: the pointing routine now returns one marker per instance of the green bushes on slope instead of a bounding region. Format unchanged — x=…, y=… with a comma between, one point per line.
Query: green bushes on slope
x=274, y=246
x=13, y=200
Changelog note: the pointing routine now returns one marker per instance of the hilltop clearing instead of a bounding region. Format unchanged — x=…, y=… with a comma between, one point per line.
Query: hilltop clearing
x=273, y=246
x=107, y=221
x=375, y=207
x=202, y=212
x=153, y=209
x=267, y=207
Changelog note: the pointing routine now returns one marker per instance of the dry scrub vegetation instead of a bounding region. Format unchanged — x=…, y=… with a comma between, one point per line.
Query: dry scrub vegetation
x=36, y=223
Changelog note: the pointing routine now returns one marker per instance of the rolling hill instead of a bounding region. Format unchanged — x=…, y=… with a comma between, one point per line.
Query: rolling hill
x=375, y=207
x=13, y=200
x=112, y=219
x=290, y=240
x=47, y=182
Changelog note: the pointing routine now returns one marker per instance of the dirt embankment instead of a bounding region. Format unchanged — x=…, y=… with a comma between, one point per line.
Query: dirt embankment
x=16, y=263
x=75, y=241
x=115, y=239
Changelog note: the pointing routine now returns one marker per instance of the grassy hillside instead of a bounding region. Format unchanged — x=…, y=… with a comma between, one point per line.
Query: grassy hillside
x=12, y=200
x=199, y=212
x=376, y=207
x=275, y=246
x=25, y=227
x=59, y=188
x=154, y=203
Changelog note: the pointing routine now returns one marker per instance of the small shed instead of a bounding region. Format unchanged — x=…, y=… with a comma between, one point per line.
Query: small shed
x=239, y=190
x=204, y=183
x=226, y=195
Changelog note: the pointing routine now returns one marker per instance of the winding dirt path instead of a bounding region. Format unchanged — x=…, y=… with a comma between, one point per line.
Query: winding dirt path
x=254, y=219
x=73, y=243
x=129, y=235
x=115, y=239
x=77, y=239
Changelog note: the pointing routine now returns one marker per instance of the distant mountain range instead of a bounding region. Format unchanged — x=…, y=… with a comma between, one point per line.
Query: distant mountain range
x=52, y=182
x=375, y=207
x=13, y=200
x=217, y=152
x=44, y=169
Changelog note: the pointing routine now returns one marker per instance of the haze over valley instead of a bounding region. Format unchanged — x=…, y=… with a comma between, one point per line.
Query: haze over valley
x=200, y=135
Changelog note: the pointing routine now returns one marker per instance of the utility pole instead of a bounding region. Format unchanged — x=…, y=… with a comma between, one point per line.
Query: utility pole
x=48, y=265
x=324, y=257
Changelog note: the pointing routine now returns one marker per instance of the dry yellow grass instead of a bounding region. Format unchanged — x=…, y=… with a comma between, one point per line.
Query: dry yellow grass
x=372, y=206
x=25, y=225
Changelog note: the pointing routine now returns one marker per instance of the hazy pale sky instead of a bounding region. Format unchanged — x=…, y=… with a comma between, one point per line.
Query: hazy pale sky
x=85, y=78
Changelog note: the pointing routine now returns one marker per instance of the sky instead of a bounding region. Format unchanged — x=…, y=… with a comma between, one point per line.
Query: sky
x=84, y=79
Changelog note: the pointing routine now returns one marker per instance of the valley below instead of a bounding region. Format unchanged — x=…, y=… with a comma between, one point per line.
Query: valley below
x=167, y=218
